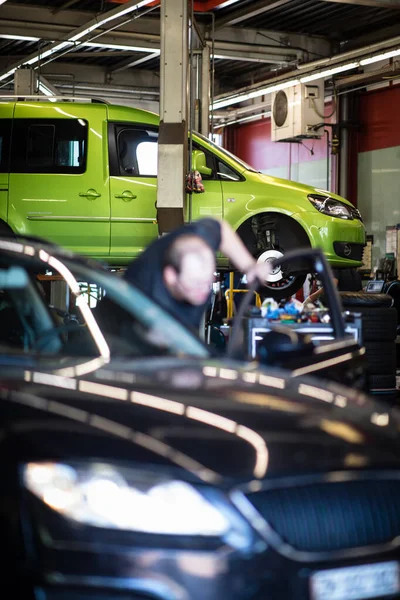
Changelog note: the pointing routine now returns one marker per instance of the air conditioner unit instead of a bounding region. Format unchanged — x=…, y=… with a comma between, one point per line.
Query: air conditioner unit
x=296, y=111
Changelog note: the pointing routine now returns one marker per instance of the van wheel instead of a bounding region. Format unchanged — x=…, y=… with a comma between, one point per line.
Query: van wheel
x=269, y=236
x=279, y=285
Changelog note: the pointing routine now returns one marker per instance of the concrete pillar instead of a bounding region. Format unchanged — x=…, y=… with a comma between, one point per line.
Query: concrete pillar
x=173, y=137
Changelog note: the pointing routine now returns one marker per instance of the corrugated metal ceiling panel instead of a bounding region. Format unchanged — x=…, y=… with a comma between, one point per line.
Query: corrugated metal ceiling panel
x=314, y=17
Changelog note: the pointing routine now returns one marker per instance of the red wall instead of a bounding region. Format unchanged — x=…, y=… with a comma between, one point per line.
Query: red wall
x=252, y=143
x=380, y=119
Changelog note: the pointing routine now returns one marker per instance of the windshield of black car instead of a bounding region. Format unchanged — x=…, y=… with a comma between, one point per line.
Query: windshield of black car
x=226, y=153
x=71, y=309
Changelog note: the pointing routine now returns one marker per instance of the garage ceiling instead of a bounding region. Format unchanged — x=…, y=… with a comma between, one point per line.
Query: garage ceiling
x=253, y=40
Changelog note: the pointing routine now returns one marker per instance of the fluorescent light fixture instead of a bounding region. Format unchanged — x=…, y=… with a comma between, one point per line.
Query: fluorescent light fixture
x=47, y=53
x=22, y=38
x=45, y=90
x=8, y=74
x=2, y=1
x=120, y=47
x=95, y=25
x=255, y=94
x=36, y=59
x=28, y=38
x=329, y=72
x=378, y=57
x=227, y=3
x=242, y=119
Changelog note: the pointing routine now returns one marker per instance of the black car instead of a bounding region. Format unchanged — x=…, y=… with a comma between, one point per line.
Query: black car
x=196, y=481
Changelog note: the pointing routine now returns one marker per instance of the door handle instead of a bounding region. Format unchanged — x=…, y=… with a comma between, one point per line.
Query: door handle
x=126, y=196
x=90, y=194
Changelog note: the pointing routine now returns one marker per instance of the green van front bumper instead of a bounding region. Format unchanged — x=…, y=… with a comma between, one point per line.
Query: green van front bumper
x=342, y=241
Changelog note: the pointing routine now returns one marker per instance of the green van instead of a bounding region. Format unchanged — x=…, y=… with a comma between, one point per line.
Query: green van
x=84, y=175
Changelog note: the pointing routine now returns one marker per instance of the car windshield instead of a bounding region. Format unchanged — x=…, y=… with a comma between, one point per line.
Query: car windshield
x=53, y=305
x=245, y=165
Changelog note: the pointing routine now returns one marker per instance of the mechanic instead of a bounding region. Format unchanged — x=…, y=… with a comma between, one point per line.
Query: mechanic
x=177, y=270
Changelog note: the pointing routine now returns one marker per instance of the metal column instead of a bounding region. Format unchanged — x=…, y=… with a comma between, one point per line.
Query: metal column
x=344, y=147
x=205, y=91
x=173, y=137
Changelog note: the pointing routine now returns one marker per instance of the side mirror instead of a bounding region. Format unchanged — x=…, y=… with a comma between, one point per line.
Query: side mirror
x=199, y=163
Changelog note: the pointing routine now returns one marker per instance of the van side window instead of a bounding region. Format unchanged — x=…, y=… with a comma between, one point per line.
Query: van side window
x=40, y=148
x=137, y=151
x=226, y=173
x=5, y=129
x=49, y=146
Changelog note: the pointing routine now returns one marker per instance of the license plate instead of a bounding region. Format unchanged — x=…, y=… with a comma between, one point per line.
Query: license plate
x=356, y=583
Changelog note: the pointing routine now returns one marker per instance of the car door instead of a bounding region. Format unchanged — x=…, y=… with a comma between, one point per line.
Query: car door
x=235, y=193
x=133, y=187
x=5, y=133
x=58, y=176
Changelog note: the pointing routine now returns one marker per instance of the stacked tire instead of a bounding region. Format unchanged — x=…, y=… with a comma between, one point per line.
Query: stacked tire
x=379, y=331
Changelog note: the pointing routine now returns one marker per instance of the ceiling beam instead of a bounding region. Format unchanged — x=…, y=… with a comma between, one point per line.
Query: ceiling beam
x=394, y=4
x=243, y=14
x=245, y=52
x=49, y=33
x=99, y=75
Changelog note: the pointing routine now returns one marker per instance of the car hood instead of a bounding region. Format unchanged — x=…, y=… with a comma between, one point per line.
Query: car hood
x=302, y=188
x=213, y=420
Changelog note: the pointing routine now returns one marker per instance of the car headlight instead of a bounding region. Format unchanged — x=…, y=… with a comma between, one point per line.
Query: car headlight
x=102, y=495
x=329, y=206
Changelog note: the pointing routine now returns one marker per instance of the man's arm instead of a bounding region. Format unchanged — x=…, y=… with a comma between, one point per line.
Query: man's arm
x=232, y=246
x=315, y=295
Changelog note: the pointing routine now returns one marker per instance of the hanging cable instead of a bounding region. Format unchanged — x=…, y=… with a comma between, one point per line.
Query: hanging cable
x=334, y=102
x=311, y=150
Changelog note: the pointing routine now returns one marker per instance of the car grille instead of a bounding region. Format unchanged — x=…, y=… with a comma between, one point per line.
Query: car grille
x=326, y=517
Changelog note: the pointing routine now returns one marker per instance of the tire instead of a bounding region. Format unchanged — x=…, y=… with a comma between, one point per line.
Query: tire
x=381, y=382
x=378, y=324
x=381, y=358
x=358, y=299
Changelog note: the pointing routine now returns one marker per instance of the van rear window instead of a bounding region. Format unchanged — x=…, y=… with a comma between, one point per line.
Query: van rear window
x=49, y=146
x=5, y=130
